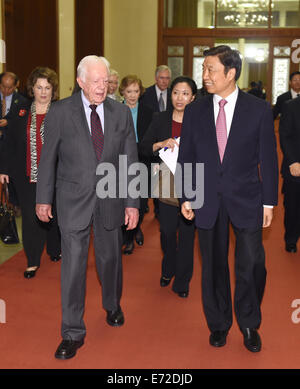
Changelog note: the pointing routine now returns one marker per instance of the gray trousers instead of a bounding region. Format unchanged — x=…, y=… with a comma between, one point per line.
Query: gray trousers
x=108, y=257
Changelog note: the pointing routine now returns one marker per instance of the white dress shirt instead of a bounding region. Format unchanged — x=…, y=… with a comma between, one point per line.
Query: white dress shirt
x=88, y=111
x=294, y=94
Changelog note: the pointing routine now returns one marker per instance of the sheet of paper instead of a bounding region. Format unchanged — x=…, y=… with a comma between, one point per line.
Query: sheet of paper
x=170, y=157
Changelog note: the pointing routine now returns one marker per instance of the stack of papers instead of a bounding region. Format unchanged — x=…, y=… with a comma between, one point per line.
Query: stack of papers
x=170, y=156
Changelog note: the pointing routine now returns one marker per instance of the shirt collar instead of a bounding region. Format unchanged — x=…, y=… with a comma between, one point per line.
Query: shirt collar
x=86, y=102
x=230, y=98
x=158, y=91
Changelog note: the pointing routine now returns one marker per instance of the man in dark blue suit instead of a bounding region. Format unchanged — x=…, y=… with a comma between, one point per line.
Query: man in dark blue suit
x=232, y=134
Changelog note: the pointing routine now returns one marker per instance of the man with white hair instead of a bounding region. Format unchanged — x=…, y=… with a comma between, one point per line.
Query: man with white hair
x=82, y=132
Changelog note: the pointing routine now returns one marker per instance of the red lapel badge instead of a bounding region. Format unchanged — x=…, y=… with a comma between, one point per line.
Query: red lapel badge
x=22, y=112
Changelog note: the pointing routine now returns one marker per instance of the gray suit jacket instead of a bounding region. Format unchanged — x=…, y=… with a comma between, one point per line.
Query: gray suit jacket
x=68, y=162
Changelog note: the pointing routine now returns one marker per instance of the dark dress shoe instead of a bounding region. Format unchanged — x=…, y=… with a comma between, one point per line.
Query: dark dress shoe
x=183, y=294
x=115, y=318
x=67, y=349
x=30, y=273
x=252, y=340
x=128, y=249
x=55, y=258
x=218, y=338
x=291, y=247
x=164, y=281
x=139, y=237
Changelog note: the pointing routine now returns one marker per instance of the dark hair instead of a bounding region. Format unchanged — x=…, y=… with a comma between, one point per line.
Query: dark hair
x=187, y=80
x=43, y=72
x=228, y=57
x=293, y=74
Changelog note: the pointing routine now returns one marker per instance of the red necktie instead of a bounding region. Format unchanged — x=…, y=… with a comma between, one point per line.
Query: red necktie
x=221, y=129
x=97, y=133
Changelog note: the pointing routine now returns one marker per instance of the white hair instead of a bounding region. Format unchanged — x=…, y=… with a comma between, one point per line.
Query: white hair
x=90, y=59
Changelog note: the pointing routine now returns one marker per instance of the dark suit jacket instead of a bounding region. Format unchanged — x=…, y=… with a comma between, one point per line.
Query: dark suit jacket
x=159, y=130
x=247, y=178
x=149, y=98
x=289, y=132
x=281, y=100
x=18, y=101
x=13, y=155
x=69, y=147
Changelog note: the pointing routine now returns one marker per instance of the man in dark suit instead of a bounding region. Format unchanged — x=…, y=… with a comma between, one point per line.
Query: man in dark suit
x=240, y=187
x=289, y=132
x=81, y=132
x=291, y=94
x=11, y=102
x=158, y=96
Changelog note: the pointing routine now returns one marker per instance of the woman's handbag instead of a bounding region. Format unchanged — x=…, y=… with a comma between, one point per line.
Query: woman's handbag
x=165, y=187
x=8, y=227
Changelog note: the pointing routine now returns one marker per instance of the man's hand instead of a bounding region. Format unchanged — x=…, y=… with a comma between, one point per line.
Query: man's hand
x=187, y=211
x=131, y=218
x=3, y=122
x=295, y=169
x=268, y=216
x=3, y=178
x=44, y=212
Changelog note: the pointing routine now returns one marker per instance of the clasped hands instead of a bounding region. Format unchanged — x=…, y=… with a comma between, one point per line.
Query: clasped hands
x=295, y=169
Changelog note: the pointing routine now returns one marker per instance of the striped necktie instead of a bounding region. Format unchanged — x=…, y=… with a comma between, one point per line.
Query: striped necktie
x=97, y=132
x=221, y=129
x=161, y=103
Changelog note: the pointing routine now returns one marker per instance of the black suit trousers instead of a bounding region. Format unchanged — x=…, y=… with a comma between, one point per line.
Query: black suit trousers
x=35, y=234
x=177, y=241
x=250, y=275
x=291, y=193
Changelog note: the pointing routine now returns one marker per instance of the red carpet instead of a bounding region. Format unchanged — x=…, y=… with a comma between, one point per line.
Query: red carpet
x=161, y=331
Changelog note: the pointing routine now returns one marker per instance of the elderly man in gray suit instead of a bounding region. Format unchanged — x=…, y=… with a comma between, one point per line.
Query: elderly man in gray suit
x=82, y=132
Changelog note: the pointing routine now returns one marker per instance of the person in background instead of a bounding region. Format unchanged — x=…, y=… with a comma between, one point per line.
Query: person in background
x=291, y=94
x=11, y=101
x=158, y=98
x=131, y=89
x=289, y=134
x=232, y=134
x=23, y=146
x=113, y=84
x=178, y=253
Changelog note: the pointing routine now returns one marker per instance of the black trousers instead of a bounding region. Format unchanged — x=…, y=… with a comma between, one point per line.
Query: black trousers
x=35, y=234
x=177, y=241
x=291, y=202
x=250, y=275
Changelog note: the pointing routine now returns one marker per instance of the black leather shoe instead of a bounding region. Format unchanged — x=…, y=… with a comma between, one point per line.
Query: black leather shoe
x=67, y=349
x=183, y=294
x=252, y=340
x=55, y=258
x=115, y=318
x=291, y=247
x=164, y=281
x=218, y=338
x=139, y=237
x=30, y=273
x=128, y=249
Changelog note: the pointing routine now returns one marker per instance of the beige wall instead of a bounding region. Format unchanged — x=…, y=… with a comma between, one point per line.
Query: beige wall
x=66, y=12
x=130, y=37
